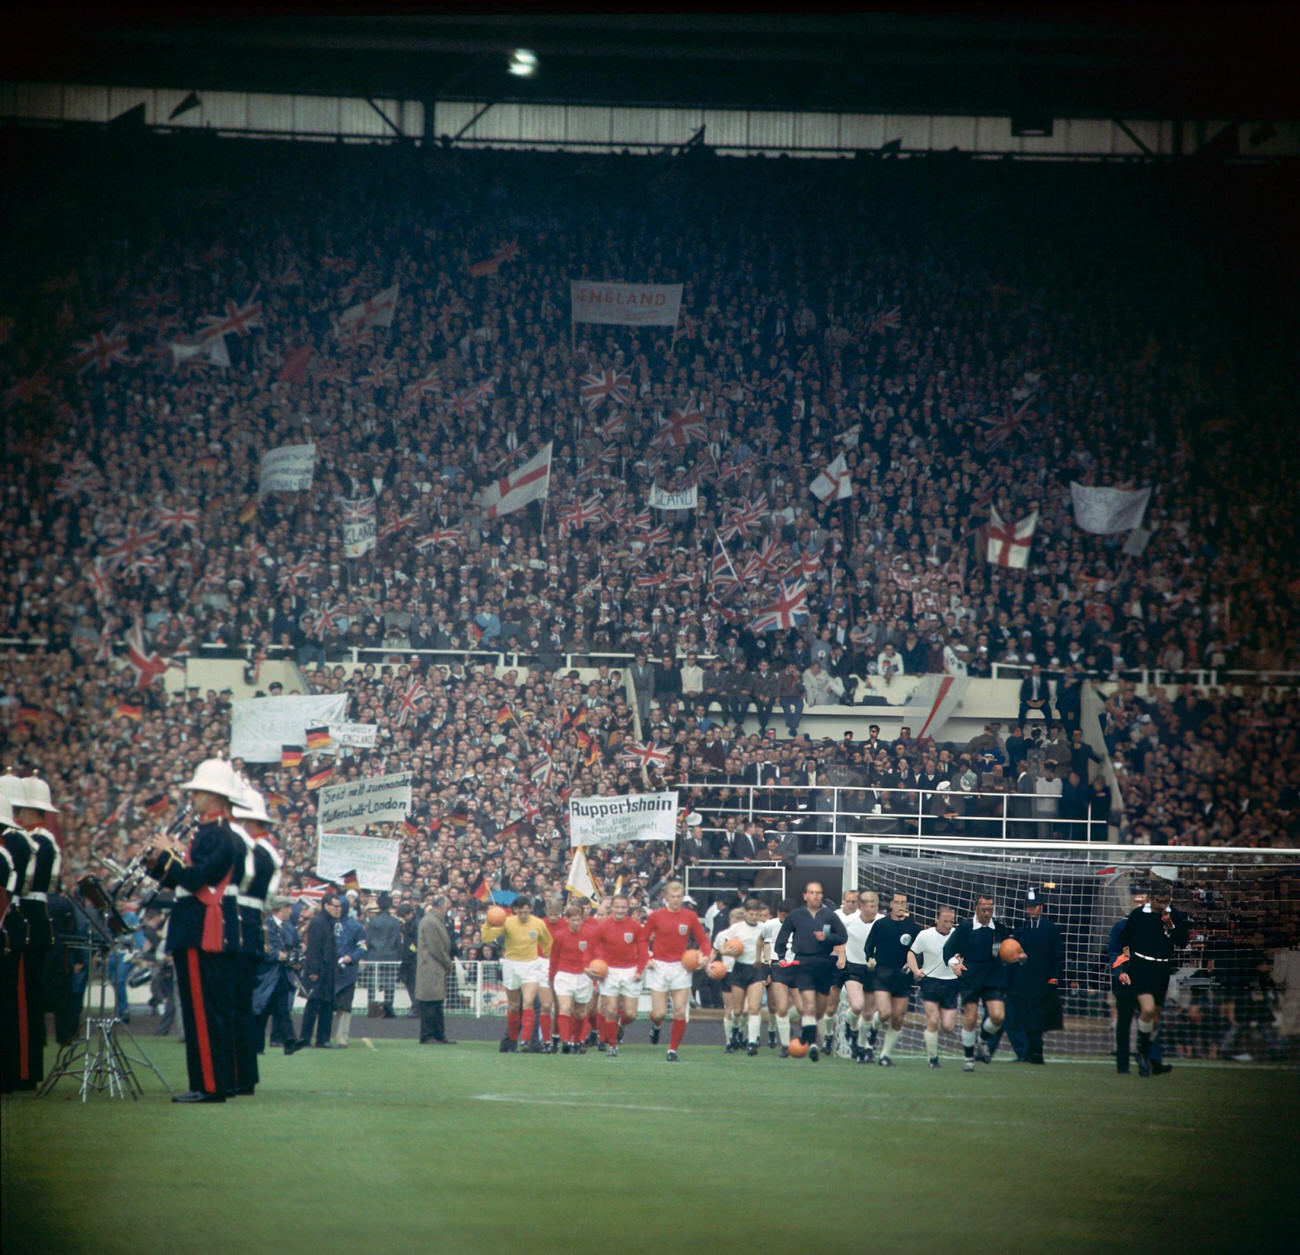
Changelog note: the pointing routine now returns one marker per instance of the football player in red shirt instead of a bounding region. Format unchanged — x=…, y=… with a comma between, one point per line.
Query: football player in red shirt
x=621, y=943
x=572, y=949
x=670, y=932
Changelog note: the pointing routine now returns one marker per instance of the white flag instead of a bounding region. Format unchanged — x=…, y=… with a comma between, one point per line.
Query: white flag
x=1009, y=545
x=212, y=350
x=833, y=482
x=580, y=881
x=378, y=311
x=531, y=482
x=1104, y=511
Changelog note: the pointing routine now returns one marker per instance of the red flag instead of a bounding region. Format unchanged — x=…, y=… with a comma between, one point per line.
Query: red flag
x=294, y=368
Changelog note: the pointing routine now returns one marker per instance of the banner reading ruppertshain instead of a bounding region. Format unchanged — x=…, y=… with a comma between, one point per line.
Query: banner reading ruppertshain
x=611, y=820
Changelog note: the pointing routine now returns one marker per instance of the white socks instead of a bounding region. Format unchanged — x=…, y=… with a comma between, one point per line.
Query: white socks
x=783, y=1029
x=969, y=1037
x=931, y=1045
x=754, y=1022
x=891, y=1038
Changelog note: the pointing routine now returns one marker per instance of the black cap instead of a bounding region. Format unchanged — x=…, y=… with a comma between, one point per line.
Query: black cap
x=1033, y=897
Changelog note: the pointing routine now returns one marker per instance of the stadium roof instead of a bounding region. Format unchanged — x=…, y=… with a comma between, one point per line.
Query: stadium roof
x=1230, y=61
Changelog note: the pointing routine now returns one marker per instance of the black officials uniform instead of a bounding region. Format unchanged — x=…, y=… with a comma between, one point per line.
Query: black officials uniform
x=1151, y=940
x=888, y=943
x=42, y=872
x=196, y=937
x=260, y=879
x=985, y=975
x=13, y=943
x=816, y=961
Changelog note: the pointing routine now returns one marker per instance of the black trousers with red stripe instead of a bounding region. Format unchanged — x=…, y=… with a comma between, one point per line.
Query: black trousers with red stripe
x=206, y=988
x=31, y=1055
x=246, y=1074
x=9, y=1020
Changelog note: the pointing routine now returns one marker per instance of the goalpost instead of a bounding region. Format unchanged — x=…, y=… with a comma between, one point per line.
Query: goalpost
x=1235, y=992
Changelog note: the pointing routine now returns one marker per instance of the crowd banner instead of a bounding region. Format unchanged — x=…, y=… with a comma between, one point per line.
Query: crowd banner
x=360, y=526
x=357, y=736
x=373, y=858
x=625, y=304
x=1104, y=511
x=611, y=820
x=662, y=499
x=287, y=469
x=374, y=800
x=261, y=726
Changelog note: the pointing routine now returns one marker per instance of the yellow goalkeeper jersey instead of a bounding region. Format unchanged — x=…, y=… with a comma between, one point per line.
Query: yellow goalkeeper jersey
x=524, y=941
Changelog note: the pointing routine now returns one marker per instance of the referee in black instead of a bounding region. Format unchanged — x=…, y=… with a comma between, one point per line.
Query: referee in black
x=816, y=933
x=1151, y=934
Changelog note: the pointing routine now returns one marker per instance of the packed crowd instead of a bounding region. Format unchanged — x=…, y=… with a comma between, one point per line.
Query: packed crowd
x=958, y=334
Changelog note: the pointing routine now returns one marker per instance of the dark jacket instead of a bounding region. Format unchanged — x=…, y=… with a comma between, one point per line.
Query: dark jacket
x=320, y=960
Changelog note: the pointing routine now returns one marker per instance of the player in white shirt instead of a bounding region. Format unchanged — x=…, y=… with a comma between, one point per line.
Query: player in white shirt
x=938, y=980
x=846, y=910
x=778, y=991
x=857, y=976
x=740, y=946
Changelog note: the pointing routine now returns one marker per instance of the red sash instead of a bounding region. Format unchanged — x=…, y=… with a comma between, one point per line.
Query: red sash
x=211, y=896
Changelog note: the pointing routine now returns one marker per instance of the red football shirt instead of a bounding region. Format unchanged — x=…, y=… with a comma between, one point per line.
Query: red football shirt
x=621, y=942
x=572, y=951
x=668, y=934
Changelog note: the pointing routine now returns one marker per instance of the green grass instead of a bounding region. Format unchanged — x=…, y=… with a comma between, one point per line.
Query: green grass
x=466, y=1150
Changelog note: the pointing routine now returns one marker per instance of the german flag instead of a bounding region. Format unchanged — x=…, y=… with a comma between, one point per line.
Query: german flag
x=249, y=512
x=408, y=828
x=318, y=778
x=208, y=463
x=290, y=755
x=458, y=818
x=278, y=800
x=128, y=710
x=481, y=889
x=159, y=805
x=350, y=880
x=318, y=739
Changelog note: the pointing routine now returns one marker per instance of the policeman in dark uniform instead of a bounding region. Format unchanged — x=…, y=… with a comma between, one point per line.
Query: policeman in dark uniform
x=196, y=935
x=1033, y=983
x=261, y=880
x=981, y=974
x=31, y=809
x=1151, y=934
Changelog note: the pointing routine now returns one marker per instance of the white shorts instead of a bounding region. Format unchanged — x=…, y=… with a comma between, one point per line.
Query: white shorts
x=575, y=985
x=516, y=973
x=662, y=976
x=622, y=982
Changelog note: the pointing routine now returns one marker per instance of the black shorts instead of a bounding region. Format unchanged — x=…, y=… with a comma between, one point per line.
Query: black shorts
x=817, y=973
x=986, y=981
x=742, y=976
x=786, y=974
x=859, y=972
x=936, y=989
x=897, y=982
x=1147, y=977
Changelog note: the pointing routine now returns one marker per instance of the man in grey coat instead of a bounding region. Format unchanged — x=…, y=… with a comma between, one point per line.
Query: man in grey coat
x=432, y=963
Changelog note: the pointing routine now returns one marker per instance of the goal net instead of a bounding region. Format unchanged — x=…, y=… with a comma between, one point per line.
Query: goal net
x=1235, y=991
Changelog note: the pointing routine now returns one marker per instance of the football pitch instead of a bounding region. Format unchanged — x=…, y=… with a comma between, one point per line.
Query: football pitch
x=395, y=1146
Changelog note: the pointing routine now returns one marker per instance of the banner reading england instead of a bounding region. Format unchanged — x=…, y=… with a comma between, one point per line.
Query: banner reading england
x=625, y=304
x=611, y=820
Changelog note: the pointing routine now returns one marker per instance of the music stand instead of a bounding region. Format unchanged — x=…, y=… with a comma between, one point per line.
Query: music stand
x=98, y=1055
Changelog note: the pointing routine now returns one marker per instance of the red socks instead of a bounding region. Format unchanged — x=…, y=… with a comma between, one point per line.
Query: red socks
x=544, y=1020
x=529, y=1020
x=678, y=1032
x=512, y=1024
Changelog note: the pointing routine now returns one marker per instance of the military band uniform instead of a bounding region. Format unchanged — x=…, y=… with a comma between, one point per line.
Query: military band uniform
x=13, y=941
x=206, y=977
x=42, y=872
x=245, y=938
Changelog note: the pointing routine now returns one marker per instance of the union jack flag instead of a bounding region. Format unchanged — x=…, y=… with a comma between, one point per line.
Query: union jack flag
x=143, y=564
x=657, y=536
x=99, y=581
x=681, y=427
x=380, y=375
x=641, y=521
x=395, y=523
x=582, y=513
x=651, y=581
x=807, y=566
x=358, y=510
x=76, y=479
x=606, y=383
x=614, y=425
x=103, y=350
x=298, y=573
x=491, y=265
x=147, y=667
x=235, y=319
x=787, y=611
x=884, y=318
x=721, y=569
x=648, y=755
x=376, y=311
x=176, y=518
x=1006, y=424
x=289, y=277
x=125, y=550
x=331, y=372
x=413, y=692
x=442, y=536
x=27, y=390
x=328, y=619
x=747, y=517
